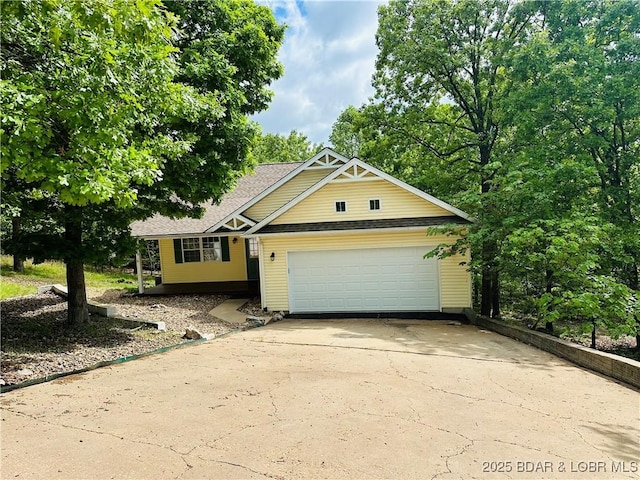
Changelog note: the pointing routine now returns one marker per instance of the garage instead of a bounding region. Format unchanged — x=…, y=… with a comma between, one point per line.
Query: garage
x=395, y=279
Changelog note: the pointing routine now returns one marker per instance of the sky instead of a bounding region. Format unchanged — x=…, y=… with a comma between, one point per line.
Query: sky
x=329, y=55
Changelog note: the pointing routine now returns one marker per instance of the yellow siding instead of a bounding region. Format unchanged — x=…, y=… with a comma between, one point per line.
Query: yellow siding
x=455, y=280
x=234, y=270
x=395, y=202
x=286, y=192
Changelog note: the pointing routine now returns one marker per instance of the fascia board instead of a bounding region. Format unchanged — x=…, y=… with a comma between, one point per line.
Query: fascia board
x=189, y=235
x=336, y=232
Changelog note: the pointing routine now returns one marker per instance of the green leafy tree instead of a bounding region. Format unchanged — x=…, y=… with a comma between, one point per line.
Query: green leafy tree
x=92, y=115
x=385, y=144
x=274, y=147
x=228, y=48
x=578, y=100
x=581, y=86
x=440, y=78
x=82, y=84
x=346, y=134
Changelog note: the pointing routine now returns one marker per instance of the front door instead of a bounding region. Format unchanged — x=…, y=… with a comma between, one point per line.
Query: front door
x=253, y=269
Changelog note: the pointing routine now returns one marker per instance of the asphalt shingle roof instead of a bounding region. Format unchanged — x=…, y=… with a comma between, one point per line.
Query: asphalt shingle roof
x=248, y=187
x=364, y=224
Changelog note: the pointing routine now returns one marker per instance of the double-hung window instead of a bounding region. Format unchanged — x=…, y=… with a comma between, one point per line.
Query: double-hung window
x=201, y=249
x=211, y=249
x=191, y=250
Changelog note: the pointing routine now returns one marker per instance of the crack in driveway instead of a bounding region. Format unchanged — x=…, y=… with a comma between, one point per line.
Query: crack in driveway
x=389, y=350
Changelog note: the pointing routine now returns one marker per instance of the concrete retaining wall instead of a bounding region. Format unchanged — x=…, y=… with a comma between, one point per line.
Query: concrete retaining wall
x=614, y=366
x=100, y=309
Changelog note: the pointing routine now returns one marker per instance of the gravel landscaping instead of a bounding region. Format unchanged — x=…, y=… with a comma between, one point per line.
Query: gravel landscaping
x=36, y=343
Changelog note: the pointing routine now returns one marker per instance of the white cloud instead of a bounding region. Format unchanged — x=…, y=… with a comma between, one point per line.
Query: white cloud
x=329, y=56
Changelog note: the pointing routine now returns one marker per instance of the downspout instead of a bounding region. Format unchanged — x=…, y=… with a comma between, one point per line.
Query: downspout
x=139, y=270
x=263, y=286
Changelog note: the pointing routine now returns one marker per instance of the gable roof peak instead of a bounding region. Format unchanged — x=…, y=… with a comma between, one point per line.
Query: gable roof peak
x=366, y=169
x=326, y=158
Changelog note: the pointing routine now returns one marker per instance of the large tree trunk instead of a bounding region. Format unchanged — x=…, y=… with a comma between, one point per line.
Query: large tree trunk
x=495, y=294
x=18, y=260
x=78, y=311
x=490, y=301
x=485, y=298
x=18, y=264
x=549, y=289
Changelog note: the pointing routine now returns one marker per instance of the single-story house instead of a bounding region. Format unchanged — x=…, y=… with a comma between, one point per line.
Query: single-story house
x=328, y=235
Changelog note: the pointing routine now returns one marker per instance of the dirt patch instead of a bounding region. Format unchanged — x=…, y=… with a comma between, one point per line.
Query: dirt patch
x=625, y=345
x=37, y=343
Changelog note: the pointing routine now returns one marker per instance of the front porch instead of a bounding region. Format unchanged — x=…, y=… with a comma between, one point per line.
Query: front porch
x=235, y=289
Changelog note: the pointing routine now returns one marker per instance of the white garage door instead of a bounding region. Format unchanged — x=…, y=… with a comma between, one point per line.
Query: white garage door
x=366, y=280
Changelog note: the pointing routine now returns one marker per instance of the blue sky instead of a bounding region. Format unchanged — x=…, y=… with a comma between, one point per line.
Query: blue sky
x=329, y=57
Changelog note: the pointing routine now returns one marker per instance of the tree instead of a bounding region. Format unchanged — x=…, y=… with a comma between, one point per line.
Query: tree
x=81, y=87
x=581, y=86
x=441, y=71
x=579, y=98
x=93, y=117
x=273, y=147
x=386, y=145
x=228, y=48
x=26, y=213
x=346, y=135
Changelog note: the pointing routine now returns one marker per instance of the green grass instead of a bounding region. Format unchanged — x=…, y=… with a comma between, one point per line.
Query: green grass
x=52, y=271
x=24, y=283
x=9, y=290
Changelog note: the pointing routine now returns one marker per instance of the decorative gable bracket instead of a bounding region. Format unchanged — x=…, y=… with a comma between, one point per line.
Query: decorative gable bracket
x=238, y=222
x=326, y=161
x=356, y=172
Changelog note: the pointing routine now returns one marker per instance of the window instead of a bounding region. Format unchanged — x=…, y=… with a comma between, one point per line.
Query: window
x=253, y=248
x=212, y=249
x=374, y=204
x=341, y=206
x=205, y=249
x=191, y=249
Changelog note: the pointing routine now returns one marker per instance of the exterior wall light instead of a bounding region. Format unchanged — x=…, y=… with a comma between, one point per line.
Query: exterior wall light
x=235, y=240
x=272, y=256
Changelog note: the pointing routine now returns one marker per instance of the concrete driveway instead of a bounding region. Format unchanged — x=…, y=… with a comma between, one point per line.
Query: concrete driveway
x=329, y=399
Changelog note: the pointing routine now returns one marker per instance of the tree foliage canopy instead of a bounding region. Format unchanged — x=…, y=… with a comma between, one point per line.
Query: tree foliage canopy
x=345, y=136
x=277, y=148
x=441, y=81
x=84, y=87
x=113, y=111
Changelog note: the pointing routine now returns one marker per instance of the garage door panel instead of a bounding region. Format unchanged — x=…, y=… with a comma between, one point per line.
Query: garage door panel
x=378, y=279
x=369, y=269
